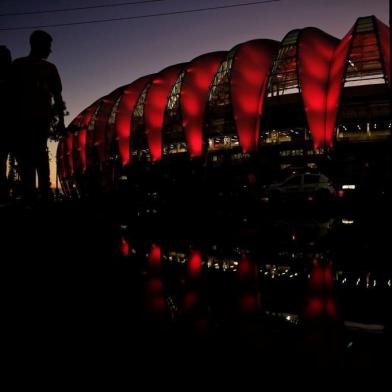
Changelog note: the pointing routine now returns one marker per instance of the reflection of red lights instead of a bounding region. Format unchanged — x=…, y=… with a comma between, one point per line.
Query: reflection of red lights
x=314, y=308
x=155, y=300
x=194, y=264
x=201, y=325
x=124, y=247
x=250, y=302
x=246, y=269
x=331, y=309
x=156, y=305
x=321, y=277
x=154, y=287
x=154, y=258
x=190, y=301
x=321, y=302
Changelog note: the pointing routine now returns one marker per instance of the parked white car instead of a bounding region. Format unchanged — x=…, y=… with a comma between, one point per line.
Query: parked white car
x=310, y=186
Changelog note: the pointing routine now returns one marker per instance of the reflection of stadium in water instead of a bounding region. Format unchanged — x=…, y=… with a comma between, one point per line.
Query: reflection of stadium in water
x=349, y=293
x=228, y=299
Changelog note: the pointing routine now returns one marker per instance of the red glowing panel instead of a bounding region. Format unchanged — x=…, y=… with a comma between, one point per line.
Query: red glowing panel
x=63, y=166
x=336, y=78
x=194, y=264
x=73, y=146
x=384, y=35
x=123, y=123
x=82, y=147
x=249, y=75
x=155, y=105
x=90, y=116
x=76, y=153
x=68, y=153
x=60, y=160
x=100, y=128
x=82, y=122
x=194, y=95
x=315, y=53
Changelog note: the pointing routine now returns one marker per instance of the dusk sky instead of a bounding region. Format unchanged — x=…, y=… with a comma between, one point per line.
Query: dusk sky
x=94, y=59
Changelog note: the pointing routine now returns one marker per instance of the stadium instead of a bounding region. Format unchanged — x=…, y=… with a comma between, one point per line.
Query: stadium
x=241, y=116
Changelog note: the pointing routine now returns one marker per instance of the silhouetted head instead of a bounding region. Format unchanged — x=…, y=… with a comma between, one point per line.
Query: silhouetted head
x=40, y=42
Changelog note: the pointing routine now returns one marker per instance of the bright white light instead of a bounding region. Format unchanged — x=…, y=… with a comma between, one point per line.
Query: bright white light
x=347, y=221
x=288, y=318
x=359, y=279
x=348, y=186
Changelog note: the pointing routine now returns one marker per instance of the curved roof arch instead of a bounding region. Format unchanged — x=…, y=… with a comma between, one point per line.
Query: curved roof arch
x=283, y=77
x=99, y=132
x=251, y=65
x=315, y=53
x=155, y=105
x=123, y=120
x=194, y=97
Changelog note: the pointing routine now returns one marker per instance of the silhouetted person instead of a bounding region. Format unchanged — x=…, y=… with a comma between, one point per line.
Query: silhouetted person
x=5, y=144
x=37, y=99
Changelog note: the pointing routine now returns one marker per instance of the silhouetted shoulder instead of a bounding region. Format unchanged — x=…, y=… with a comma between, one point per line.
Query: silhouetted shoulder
x=34, y=61
x=31, y=68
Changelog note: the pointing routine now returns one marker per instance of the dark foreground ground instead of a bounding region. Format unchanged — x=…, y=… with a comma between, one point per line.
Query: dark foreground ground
x=95, y=283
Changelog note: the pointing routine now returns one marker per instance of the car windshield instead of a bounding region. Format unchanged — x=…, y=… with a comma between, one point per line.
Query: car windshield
x=311, y=179
x=293, y=181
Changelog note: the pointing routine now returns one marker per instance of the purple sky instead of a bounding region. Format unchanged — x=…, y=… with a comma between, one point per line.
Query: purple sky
x=94, y=59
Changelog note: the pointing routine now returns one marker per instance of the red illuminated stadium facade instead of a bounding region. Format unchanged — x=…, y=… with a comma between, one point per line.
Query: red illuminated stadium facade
x=292, y=101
